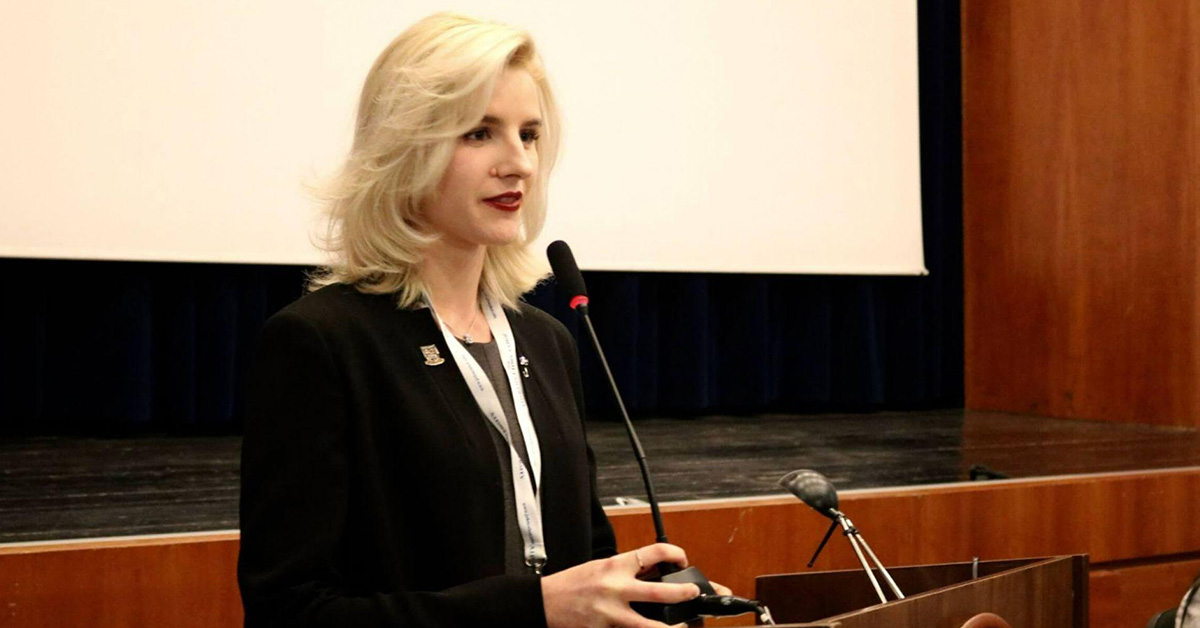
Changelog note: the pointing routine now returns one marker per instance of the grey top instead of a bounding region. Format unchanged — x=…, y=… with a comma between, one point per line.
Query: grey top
x=487, y=354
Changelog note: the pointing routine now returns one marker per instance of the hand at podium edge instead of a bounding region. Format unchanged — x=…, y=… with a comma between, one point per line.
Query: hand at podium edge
x=597, y=593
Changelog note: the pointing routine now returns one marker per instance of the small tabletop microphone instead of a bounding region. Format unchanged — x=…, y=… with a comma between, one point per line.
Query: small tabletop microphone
x=818, y=493
x=813, y=489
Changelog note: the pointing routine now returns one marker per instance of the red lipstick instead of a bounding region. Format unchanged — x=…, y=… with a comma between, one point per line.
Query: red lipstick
x=509, y=201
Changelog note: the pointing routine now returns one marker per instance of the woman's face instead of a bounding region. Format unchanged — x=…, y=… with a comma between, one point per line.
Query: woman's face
x=480, y=195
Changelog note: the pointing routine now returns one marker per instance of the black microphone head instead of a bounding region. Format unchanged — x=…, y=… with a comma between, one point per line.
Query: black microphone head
x=566, y=273
x=813, y=489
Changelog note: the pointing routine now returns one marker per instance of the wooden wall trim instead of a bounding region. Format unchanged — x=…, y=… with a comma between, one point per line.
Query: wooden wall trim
x=67, y=545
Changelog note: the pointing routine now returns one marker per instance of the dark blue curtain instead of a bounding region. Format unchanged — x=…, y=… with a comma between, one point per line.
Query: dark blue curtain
x=98, y=347
x=688, y=344
x=108, y=347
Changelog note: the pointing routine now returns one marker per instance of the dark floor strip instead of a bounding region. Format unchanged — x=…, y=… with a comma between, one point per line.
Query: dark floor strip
x=56, y=488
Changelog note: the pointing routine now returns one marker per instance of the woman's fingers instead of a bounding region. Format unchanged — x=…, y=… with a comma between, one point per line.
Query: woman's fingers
x=660, y=592
x=651, y=555
x=598, y=593
x=721, y=589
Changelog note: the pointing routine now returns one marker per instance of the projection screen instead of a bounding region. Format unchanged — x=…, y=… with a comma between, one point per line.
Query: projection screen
x=755, y=136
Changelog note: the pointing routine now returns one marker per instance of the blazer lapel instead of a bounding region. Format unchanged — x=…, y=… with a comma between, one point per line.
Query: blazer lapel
x=447, y=379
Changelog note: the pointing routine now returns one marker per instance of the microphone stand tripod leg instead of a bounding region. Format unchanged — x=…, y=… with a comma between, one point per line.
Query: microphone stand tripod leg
x=886, y=576
x=849, y=532
x=828, y=533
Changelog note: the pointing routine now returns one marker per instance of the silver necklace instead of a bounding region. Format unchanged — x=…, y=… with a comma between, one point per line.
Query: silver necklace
x=466, y=338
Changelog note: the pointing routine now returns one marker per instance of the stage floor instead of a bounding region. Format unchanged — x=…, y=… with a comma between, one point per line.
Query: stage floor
x=67, y=488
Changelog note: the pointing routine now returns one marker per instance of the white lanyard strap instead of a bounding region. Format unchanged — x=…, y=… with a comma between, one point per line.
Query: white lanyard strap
x=529, y=511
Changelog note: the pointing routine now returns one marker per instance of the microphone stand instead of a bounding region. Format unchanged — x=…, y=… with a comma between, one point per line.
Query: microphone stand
x=709, y=603
x=818, y=493
x=859, y=544
x=828, y=533
x=659, y=533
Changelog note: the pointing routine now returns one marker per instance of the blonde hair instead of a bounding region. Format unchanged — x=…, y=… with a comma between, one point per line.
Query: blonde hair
x=430, y=86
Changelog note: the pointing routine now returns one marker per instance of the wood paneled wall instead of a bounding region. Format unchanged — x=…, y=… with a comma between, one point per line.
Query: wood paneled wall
x=1141, y=516
x=180, y=582
x=1149, y=518
x=1081, y=208
x=1122, y=593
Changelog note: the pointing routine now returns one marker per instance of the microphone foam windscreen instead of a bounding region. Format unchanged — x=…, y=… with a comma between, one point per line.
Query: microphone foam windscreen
x=566, y=272
x=813, y=489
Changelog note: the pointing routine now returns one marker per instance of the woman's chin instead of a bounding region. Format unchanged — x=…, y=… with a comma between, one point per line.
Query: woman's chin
x=504, y=238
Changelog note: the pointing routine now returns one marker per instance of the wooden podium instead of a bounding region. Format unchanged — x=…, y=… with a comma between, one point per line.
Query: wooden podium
x=1027, y=593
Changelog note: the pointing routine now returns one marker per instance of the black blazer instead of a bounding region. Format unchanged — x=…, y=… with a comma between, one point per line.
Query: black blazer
x=371, y=490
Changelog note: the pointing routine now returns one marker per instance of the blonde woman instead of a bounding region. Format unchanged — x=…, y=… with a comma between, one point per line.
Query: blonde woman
x=414, y=448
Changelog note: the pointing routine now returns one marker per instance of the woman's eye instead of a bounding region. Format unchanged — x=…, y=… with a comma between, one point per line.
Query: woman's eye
x=478, y=135
x=528, y=136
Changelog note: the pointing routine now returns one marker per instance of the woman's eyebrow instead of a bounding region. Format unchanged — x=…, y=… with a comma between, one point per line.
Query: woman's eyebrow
x=527, y=123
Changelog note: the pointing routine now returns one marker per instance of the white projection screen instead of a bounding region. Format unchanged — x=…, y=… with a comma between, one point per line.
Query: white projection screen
x=702, y=135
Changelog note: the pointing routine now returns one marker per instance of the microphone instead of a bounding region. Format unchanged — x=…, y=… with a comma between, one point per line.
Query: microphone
x=816, y=491
x=570, y=282
x=813, y=489
x=567, y=275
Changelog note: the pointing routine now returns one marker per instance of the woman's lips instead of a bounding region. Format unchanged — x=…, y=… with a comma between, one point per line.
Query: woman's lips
x=509, y=202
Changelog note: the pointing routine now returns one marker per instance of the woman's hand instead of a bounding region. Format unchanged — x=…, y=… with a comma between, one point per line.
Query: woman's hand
x=597, y=594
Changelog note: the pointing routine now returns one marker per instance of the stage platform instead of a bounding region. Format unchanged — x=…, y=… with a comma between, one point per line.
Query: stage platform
x=69, y=488
x=117, y=532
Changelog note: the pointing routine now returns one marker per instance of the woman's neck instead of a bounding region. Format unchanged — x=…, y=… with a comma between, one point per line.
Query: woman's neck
x=451, y=276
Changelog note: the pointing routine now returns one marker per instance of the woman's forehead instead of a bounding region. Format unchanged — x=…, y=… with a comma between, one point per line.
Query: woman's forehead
x=515, y=100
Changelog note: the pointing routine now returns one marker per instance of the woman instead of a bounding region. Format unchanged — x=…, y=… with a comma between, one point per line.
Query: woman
x=414, y=450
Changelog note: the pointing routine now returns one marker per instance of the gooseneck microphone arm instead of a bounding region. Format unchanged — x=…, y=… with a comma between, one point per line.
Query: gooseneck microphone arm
x=659, y=532
x=570, y=283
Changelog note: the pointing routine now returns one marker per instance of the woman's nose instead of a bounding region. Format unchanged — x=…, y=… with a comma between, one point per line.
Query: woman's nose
x=516, y=161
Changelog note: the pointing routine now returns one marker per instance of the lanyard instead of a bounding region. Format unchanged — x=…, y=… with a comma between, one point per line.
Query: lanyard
x=529, y=510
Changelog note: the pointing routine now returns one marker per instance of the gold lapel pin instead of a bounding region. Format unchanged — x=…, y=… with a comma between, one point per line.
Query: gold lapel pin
x=432, y=356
